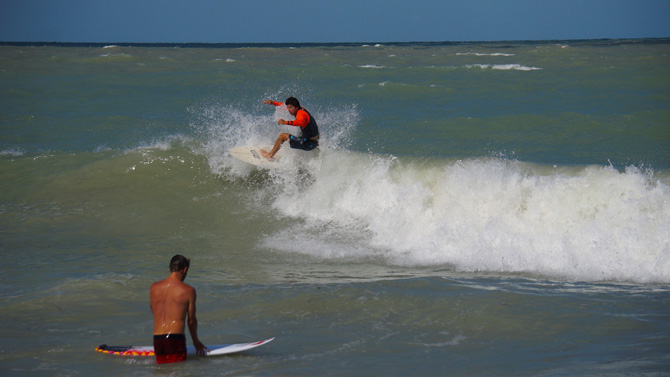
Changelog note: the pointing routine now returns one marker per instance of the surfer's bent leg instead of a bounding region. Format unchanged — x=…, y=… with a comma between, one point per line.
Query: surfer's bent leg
x=280, y=140
x=170, y=348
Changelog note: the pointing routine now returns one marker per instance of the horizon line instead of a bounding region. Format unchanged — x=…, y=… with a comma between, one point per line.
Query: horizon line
x=359, y=43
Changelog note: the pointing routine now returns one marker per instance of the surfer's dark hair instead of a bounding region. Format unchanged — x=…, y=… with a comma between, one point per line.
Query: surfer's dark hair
x=178, y=263
x=293, y=102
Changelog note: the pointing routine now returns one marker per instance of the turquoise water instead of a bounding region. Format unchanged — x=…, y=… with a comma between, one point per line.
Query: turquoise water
x=474, y=208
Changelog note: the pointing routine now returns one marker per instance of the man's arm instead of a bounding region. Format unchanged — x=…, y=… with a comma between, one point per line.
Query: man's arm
x=193, y=326
x=275, y=103
x=301, y=119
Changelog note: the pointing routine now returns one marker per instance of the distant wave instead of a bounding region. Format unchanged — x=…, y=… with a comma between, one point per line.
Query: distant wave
x=504, y=67
x=501, y=67
x=484, y=54
x=12, y=152
x=120, y=55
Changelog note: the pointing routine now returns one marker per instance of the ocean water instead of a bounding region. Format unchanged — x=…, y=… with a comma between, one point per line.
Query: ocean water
x=474, y=208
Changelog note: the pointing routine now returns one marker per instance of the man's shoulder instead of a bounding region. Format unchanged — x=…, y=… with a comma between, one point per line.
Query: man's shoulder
x=185, y=288
x=303, y=112
x=167, y=283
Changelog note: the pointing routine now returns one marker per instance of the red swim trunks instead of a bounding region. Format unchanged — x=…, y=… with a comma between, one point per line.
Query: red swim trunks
x=170, y=348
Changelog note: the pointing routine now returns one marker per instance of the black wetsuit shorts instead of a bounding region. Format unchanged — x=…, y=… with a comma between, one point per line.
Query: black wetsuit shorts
x=299, y=142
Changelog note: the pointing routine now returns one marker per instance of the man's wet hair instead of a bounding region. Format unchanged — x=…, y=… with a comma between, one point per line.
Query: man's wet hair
x=179, y=262
x=292, y=101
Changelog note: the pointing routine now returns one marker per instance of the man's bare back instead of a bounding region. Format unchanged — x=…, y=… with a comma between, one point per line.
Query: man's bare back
x=173, y=306
x=171, y=300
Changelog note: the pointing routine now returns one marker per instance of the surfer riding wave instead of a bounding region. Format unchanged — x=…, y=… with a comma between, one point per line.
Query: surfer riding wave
x=303, y=119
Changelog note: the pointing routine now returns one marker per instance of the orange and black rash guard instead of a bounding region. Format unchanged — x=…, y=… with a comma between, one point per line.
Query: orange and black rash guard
x=304, y=120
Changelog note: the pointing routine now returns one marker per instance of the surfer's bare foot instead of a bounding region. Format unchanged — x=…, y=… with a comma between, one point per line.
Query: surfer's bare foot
x=266, y=154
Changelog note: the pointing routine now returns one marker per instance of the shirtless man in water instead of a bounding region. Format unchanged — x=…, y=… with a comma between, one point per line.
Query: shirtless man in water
x=171, y=301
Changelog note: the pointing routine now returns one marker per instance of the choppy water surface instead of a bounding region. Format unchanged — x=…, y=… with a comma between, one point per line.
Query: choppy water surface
x=474, y=209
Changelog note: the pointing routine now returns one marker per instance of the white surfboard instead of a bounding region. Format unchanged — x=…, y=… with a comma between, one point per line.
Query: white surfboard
x=215, y=350
x=252, y=155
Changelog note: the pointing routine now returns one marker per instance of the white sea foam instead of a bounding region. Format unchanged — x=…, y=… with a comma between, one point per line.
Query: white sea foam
x=592, y=223
x=372, y=66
